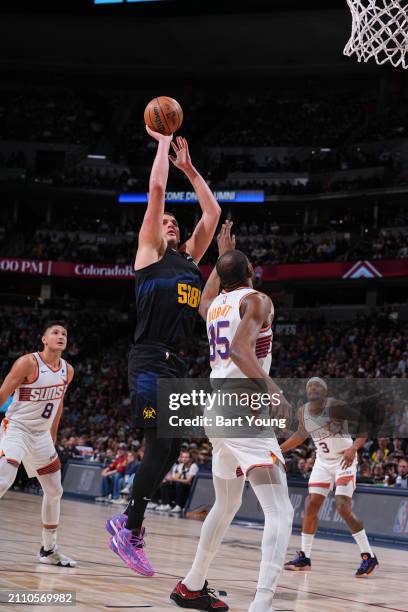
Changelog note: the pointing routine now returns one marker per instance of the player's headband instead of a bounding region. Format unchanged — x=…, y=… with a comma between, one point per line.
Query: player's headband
x=316, y=379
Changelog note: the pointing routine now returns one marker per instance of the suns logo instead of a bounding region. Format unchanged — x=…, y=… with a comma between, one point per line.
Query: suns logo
x=149, y=413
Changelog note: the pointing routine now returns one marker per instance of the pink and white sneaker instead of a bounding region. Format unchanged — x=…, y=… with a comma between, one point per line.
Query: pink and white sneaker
x=115, y=523
x=130, y=548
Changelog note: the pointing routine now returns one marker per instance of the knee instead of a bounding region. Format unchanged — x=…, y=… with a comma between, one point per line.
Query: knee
x=53, y=492
x=8, y=475
x=343, y=506
x=313, y=505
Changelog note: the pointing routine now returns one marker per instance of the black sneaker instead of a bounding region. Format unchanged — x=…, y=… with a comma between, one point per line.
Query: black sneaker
x=206, y=599
x=300, y=563
x=368, y=565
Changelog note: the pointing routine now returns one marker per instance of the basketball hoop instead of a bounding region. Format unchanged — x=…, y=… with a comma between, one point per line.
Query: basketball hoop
x=380, y=31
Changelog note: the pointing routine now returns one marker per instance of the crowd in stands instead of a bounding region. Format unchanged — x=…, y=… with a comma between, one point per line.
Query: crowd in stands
x=261, y=241
x=96, y=423
x=55, y=115
x=335, y=124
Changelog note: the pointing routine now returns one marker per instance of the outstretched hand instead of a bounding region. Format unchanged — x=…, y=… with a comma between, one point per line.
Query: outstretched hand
x=182, y=161
x=225, y=241
x=159, y=137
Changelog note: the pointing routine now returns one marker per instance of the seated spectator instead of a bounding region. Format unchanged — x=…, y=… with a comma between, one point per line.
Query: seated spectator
x=176, y=486
x=204, y=461
x=126, y=481
x=364, y=475
x=390, y=474
x=378, y=474
x=113, y=474
x=382, y=451
x=403, y=472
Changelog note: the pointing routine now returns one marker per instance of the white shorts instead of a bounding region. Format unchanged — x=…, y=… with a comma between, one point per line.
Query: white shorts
x=327, y=473
x=34, y=449
x=234, y=457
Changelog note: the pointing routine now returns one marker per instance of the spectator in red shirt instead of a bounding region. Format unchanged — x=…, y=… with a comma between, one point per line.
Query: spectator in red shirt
x=112, y=475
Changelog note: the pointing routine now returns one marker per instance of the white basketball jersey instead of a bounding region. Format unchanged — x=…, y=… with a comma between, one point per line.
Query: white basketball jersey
x=223, y=319
x=35, y=405
x=330, y=435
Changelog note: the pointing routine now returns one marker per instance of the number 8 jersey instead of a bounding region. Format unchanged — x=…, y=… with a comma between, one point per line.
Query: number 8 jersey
x=35, y=404
x=223, y=319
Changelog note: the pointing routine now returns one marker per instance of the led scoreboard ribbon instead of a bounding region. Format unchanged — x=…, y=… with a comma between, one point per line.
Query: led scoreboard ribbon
x=186, y=197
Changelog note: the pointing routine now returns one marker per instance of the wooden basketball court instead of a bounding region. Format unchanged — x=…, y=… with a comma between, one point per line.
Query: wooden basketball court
x=102, y=582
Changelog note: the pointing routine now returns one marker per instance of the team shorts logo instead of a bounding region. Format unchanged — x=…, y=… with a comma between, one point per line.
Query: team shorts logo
x=149, y=413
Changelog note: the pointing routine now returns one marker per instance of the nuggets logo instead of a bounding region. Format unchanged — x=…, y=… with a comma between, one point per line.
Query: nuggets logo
x=149, y=413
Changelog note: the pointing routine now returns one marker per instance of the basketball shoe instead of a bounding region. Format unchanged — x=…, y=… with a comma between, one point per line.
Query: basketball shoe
x=300, y=563
x=54, y=557
x=130, y=549
x=115, y=523
x=368, y=565
x=206, y=599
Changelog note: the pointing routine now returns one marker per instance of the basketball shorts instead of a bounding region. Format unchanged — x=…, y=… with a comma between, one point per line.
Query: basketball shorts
x=234, y=457
x=147, y=364
x=35, y=450
x=328, y=473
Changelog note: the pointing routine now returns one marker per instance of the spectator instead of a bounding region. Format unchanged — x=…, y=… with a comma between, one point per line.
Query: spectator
x=403, y=472
x=378, y=474
x=364, y=475
x=112, y=475
x=176, y=486
x=125, y=483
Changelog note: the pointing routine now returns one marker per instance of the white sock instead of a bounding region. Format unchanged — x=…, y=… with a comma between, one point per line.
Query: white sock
x=362, y=542
x=228, y=498
x=307, y=543
x=49, y=538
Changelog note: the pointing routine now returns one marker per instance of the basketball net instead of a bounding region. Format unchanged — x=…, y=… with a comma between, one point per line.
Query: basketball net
x=380, y=31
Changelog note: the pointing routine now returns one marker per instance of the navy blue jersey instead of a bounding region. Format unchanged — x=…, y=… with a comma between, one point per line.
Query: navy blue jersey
x=168, y=294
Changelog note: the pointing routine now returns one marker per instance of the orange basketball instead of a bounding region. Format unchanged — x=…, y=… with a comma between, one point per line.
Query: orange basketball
x=163, y=115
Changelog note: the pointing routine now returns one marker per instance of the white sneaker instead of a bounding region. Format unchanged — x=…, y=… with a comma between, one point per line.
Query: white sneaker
x=118, y=502
x=176, y=510
x=54, y=557
x=104, y=498
x=152, y=506
x=164, y=508
x=126, y=490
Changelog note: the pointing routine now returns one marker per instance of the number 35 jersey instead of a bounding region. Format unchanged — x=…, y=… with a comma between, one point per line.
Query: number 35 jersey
x=35, y=404
x=223, y=319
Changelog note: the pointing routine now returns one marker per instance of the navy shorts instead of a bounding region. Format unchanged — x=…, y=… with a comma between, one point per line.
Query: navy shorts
x=147, y=363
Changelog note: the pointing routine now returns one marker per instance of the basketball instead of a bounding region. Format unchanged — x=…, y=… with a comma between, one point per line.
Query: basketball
x=163, y=115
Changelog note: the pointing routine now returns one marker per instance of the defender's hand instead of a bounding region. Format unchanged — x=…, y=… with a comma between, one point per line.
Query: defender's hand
x=182, y=161
x=225, y=241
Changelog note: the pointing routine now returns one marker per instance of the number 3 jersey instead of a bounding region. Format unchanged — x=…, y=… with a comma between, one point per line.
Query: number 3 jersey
x=35, y=404
x=329, y=435
x=223, y=319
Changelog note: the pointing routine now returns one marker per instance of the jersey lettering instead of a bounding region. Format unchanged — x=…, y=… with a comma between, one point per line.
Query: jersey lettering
x=188, y=295
x=27, y=394
x=218, y=344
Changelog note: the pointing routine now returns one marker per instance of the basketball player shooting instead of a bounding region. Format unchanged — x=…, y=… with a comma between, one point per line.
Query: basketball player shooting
x=324, y=419
x=29, y=430
x=168, y=292
x=244, y=317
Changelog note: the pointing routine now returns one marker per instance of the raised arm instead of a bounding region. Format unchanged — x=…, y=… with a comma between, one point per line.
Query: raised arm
x=24, y=369
x=204, y=232
x=226, y=242
x=151, y=243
